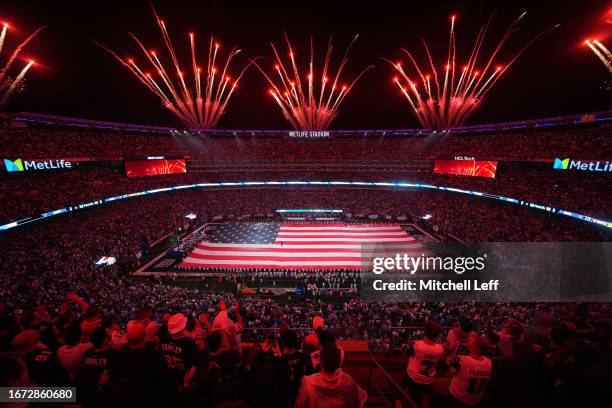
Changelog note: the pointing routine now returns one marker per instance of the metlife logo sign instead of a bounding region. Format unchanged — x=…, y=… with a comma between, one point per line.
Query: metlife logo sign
x=592, y=165
x=20, y=165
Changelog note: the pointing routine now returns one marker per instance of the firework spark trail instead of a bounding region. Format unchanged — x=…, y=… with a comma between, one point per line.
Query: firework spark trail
x=601, y=52
x=315, y=107
x=8, y=85
x=196, y=109
x=3, y=36
x=11, y=89
x=452, y=100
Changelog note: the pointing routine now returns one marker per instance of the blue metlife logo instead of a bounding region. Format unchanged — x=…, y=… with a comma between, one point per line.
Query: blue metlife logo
x=20, y=165
x=568, y=164
x=13, y=165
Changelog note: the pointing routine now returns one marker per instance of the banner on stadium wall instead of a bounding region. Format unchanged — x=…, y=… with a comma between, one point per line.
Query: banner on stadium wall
x=141, y=168
x=21, y=165
x=473, y=168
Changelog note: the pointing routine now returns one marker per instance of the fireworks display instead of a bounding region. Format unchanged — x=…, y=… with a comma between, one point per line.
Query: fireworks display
x=309, y=102
x=446, y=97
x=601, y=52
x=201, y=105
x=8, y=83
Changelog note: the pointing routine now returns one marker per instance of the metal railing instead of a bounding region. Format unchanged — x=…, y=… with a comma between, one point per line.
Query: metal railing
x=397, y=393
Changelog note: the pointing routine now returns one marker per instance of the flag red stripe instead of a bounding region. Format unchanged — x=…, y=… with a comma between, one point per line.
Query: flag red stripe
x=308, y=246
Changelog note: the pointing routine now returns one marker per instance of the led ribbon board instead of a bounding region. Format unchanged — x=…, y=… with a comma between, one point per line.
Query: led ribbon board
x=517, y=201
x=307, y=210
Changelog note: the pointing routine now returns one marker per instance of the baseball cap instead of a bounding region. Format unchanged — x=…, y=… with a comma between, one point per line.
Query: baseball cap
x=317, y=322
x=177, y=323
x=25, y=339
x=135, y=331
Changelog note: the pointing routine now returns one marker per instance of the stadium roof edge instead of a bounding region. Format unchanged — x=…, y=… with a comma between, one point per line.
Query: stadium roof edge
x=583, y=118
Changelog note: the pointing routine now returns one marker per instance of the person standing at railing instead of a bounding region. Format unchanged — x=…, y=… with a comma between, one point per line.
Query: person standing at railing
x=472, y=373
x=331, y=387
x=424, y=355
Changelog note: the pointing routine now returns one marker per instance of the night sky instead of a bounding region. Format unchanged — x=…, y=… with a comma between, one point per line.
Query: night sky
x=74, y=77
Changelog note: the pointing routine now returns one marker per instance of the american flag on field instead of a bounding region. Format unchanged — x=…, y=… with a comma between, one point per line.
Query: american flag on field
x=296, y=246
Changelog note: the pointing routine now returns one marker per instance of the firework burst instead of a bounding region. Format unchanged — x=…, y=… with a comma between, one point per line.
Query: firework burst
x=309, y=102
x=8, y=83
x=601, y=52
x=446, y=97
x=198, y=101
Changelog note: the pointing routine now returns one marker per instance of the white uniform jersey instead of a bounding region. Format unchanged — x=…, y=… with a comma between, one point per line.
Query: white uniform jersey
x=468, y=385
x=422, y=365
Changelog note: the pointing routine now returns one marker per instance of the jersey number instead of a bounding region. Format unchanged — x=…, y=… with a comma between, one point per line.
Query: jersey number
x=476, y=385
x=427, y=367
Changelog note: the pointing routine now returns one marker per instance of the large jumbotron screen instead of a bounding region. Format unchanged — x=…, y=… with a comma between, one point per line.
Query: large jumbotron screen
x=475, y=168
x=141, y=168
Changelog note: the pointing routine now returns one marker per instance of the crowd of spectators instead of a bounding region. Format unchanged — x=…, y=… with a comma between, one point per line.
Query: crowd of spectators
x=31, y=194
x=170, y=345
x=334, y=159
x=589, y=143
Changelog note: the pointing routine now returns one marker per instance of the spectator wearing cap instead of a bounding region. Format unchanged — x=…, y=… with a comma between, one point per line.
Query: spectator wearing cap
x=43, y=365
x=200, y=331
x=331, y=387
x=311, y=342
x=228, y=328
x=178, y=349
x=39, y=319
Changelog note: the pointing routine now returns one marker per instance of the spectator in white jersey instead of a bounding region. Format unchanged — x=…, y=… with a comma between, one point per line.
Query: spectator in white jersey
x=421, y=370
x=472, y=372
